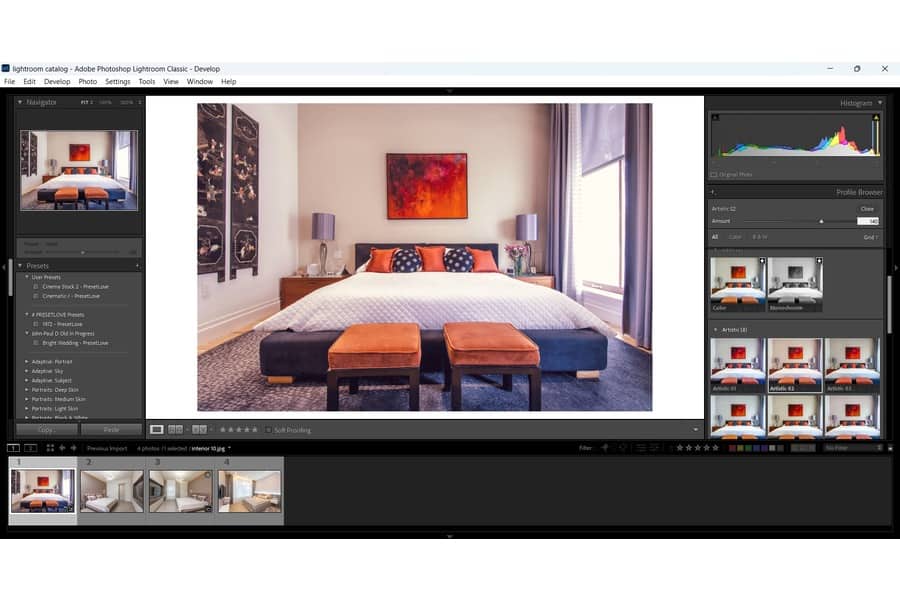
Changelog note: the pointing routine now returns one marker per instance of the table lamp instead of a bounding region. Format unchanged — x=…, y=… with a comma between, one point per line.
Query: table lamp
x=527, y=231
x=322, y=230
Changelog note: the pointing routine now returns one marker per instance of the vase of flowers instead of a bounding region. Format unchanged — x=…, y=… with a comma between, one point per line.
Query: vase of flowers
x=518, y=253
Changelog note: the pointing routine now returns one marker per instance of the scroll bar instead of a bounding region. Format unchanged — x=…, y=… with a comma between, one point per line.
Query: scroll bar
x=890, y=304
x=9, y=267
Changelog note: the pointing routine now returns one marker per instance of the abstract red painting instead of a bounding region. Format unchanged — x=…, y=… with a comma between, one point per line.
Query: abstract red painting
x=43, y=481
x=427, y=186
x=739, y=272
x=795, y=352
x=852, y=352
x=738, y=352
x=738, y=410
x=852, y=410
x=79, y=152
x=795, y=410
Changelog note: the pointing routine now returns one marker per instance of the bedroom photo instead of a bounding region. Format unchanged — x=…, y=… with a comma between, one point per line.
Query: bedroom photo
x=111, y=492
x=432, y=258
x=78, y=170
x=180, y=491
x=42, y=490
x=249, y=491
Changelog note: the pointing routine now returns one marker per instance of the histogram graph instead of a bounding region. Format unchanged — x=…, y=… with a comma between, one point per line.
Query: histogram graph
x=795, y=145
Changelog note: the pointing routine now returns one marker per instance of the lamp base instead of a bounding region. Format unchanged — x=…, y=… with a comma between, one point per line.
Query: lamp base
x=323, y=256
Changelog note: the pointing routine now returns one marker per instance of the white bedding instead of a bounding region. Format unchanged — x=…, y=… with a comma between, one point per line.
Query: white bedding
x=795, y=372
x=81, y=182
x=430, y=300
x=44, y=497
x=101, y=504
x=796, y=430
x=189, y=504
x=854, y=373
x=739, y=373
x=797, y=292
x=739, y=292
x=738, y=430
x=854, y=430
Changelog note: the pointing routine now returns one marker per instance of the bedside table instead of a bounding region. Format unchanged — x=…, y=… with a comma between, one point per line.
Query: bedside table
x=46, y=178
x=538, y=279
x=295, y=287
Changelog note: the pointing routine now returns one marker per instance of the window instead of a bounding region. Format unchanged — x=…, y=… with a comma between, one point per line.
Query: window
x=603, y=227
x=123, y=161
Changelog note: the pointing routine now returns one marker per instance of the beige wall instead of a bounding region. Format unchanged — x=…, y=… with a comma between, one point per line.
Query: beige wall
x=721, y=267
x=836, y=348
x=721, y=406
x=58, y=147
x=31, y=477
x=836, y=405
x=269, y=485
x=342, y=170
x=201, y=485
x=778, y=405
x=811, y=348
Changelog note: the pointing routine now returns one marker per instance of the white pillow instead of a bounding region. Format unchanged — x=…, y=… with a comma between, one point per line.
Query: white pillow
x=363, y=266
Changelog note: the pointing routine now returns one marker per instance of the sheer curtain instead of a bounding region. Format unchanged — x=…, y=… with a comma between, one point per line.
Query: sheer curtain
x=564, y=198
x=242, y=488
x=67, y=485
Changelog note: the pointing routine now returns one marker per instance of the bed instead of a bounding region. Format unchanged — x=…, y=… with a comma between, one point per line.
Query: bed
x=796, y=429
x=853, y=373
x=103, y=505
x=741, y=292
x=44, y=497
x=570, y=337
x=739, y=429
x=796, y=293
x=796, y=374
x=190, y=504
x=257, y=503
x=854, y=429
x=116, y=190
x=736, y=373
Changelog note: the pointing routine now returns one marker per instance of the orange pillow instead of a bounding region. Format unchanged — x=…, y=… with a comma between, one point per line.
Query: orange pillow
x=432, y=257
x=484, y=261
x=380, y=260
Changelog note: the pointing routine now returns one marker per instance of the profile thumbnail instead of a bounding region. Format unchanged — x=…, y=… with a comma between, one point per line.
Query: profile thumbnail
x=737, y=417
x=78, y=170
x=180, y=491
x=111, y=492
x=249, y=491
x=795, y=365
x=795, y=417
x=852, y=365
x=42, y=490
x=737, y=365
x=795, y=284
x=852, y=417
x=736, y=284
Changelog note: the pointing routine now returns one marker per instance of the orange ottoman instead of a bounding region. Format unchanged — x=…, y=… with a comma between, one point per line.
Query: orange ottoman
x=95, y=194
x=490, y=348
x=375, y=350
x=65, y=194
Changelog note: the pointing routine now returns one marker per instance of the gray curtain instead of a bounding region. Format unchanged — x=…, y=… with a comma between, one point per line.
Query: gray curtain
x=602, y=135
x=638, y=301
x=559, y=250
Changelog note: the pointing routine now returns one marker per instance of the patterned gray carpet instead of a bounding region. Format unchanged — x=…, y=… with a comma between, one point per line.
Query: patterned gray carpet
x=229, y=380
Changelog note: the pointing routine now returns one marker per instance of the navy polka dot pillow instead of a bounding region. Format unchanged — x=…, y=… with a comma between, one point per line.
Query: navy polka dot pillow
x=406, y=260
x=458, y=260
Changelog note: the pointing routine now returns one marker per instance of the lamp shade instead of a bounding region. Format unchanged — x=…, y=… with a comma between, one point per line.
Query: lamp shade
x=526, y=227
x=322, y=226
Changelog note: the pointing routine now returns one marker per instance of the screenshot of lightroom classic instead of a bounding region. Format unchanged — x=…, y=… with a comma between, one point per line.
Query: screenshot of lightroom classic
x=500, y=301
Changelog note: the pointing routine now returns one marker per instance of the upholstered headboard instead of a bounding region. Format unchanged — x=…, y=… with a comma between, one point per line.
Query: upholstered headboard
x=362, y=250
x=84, y=170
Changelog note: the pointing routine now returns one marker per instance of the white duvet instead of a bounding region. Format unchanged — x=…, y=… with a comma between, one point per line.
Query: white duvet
x=101, y=504
x=796, y=373
x=796, y=430
x=739, y=373
x=797, y=292
x=189, y=504
x=854, y=430
x=738, y=292
x=854, y=373
x=738, y=430
x=430, y=300
x=81, y=181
